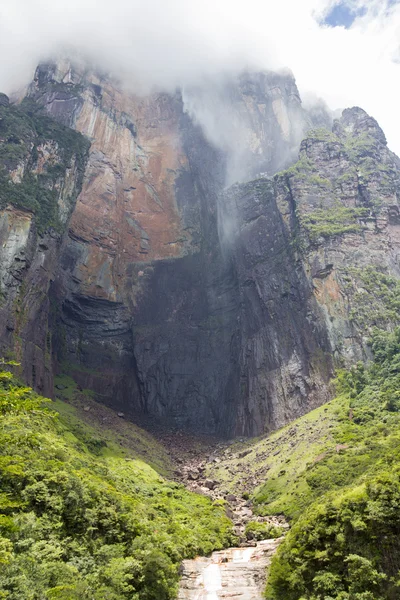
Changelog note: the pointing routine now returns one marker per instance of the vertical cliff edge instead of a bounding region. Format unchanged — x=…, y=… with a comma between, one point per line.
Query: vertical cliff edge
x=170, y=292
x=42, y=165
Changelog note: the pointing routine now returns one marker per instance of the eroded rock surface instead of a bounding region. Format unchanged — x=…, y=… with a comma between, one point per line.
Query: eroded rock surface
x=194, y=468
x=212, y=308
x=340, y=203
x=42, y=165
x=236, y=573
x=149, y=293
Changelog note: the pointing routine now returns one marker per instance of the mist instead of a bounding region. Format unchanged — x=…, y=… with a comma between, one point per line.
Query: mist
x=165, y=44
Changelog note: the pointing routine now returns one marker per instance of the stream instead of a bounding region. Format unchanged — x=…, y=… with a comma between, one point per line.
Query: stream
x=235, y=573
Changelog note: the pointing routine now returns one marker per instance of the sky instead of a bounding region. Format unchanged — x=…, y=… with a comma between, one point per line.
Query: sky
x=343, y=14
x=344, y=51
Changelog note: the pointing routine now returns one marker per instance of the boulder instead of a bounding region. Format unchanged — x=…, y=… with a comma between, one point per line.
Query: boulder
x=209, y=484
x=230, y=498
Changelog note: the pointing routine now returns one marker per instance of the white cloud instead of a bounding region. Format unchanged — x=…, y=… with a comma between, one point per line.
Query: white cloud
x=174, y=42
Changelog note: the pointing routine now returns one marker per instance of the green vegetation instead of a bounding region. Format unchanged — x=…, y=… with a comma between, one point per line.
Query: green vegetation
x=316, y=180
x=281, y=461
x=349, y=177
x=319, y=190
x=333, y=221
x=23, y=133
x=364, y=151
x=82, y=517
x=360, y=146
x=301, y=169
x=335, y=474
x=322, y=134
x=376, y=299
x=305, y=167
x=346, y=545
x=88, y=420
x=262, y=531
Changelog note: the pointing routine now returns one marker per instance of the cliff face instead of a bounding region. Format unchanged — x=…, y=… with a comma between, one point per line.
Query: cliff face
x=42, y=166
x=317, y=257
x=149, y=299
x=283, y=353
x=218, y=309
x=340, y=203
x=256, y=119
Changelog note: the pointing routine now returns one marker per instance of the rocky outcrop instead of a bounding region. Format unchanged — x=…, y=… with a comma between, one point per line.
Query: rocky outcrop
x=283, y=354
x=142, y=259
x=256, y=119
x=236, y=573
x=214, y=308
x=340, y=203
x=40, y=178
x=150, y=305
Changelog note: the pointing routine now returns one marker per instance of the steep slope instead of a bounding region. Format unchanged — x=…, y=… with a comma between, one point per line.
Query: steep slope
x=82, y=516
x=346, y=545
x=149, y=299
x=341, y=204
x=335, y=474
x=283, y=352
x=221, y=310
x=41, y=171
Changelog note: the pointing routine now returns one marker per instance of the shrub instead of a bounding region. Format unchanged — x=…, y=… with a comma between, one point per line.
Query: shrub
x=262, y=531
x=77, y=521
x=346, y=544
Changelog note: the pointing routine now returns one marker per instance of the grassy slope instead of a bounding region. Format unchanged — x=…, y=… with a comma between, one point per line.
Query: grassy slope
x=336, y=474
x=82, y=516
x=281, y=461
x=91, y=421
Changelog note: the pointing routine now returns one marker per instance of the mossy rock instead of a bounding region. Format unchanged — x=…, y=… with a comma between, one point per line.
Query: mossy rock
x=23, y=129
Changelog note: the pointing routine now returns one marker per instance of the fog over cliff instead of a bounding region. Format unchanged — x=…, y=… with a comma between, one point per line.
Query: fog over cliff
x=179, y=43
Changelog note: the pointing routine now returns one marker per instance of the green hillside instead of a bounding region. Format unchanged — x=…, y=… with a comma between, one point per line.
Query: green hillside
x=82, y=516
x=87, y=510
x=346, y=545
x=335, y=474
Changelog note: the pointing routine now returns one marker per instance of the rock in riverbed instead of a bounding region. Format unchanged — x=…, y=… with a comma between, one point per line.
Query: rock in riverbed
x=235, y=573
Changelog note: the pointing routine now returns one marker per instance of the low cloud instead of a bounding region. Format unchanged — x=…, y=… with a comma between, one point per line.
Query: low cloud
x=170, y=43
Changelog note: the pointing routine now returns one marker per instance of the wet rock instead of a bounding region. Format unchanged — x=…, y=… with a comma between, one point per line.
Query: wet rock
x=150, y=290
x=230, y=498
x=244, y=453
x=210, y=484
x=233, y=573
x=237, y=346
